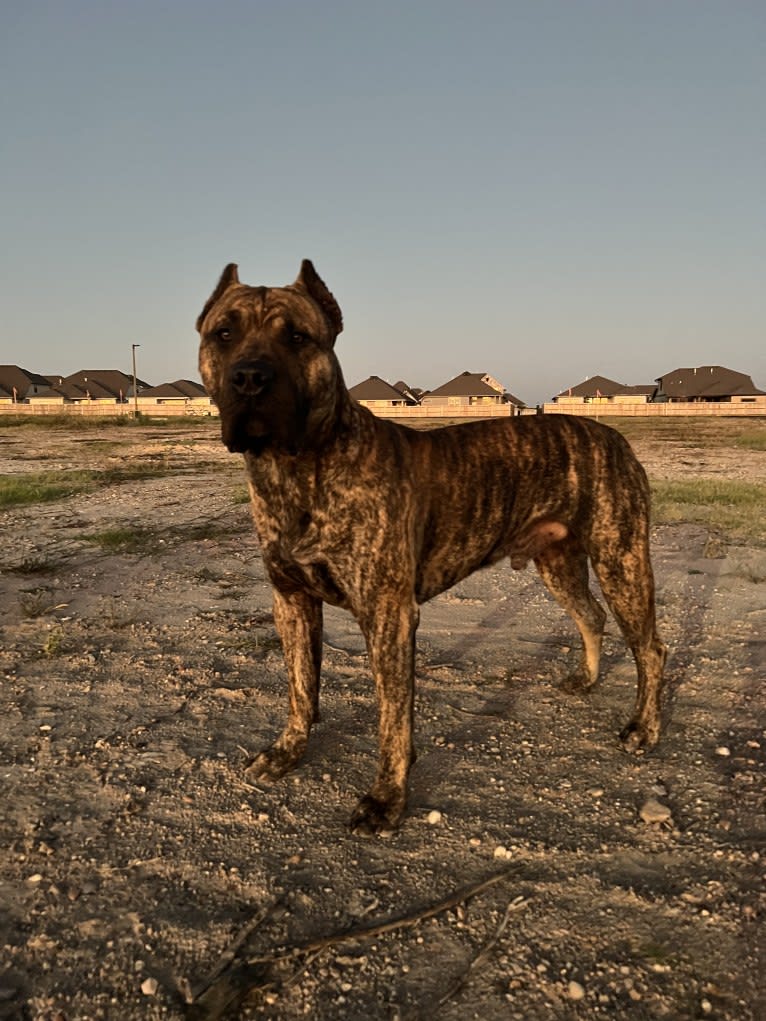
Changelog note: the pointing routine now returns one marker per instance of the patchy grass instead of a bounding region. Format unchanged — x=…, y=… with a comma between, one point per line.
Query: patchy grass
x=43, y=487
x=698, y=432
x=97, y=423
x=36, y=563
x=734, y=507
x=131, y=539
x=753, y=440
x=70, y=423
x=34, y=603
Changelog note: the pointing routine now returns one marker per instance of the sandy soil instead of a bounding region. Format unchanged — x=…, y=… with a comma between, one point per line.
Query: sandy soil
x=138, y=871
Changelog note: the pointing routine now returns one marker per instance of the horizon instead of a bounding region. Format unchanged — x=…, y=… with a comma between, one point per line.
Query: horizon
x=543, y=191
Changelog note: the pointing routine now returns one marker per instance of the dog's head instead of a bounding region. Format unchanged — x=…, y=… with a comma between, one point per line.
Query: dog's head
x=266, y=358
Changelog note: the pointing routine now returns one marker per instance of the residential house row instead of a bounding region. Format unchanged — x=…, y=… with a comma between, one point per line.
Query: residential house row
x=99, y=389
x=477, y=393
x=470, y=394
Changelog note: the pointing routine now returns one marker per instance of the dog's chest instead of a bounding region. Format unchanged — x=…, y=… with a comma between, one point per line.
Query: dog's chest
x=299, y=554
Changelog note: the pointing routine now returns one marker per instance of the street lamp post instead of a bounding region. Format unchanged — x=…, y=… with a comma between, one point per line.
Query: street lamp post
x=135, y=383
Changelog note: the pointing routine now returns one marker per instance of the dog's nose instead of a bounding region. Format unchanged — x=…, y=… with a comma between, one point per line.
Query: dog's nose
x=251, y=378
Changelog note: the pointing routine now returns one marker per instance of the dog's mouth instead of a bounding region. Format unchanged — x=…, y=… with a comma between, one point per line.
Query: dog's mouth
x=251, y=429
x=243, y=433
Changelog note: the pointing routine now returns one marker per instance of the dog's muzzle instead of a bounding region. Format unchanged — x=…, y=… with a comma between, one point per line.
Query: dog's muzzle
x=251, y=378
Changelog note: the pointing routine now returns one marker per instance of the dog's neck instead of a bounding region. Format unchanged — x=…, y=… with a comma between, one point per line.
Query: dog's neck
x=283, y=481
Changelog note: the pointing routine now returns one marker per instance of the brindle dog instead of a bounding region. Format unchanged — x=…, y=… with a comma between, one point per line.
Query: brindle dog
x=377, y=518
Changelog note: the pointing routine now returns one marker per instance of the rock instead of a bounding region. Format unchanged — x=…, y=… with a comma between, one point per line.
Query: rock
x=575, y=991
x=149, y=986
x=434, y=817
x=723, y=751
x=653, y=811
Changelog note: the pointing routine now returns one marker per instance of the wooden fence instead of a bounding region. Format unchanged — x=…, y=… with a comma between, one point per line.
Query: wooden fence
x=686, y=409
x=110, y=410
x=666, y=409
x=421, y=411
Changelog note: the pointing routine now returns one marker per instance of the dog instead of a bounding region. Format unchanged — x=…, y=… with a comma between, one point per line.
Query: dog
x=378, y=518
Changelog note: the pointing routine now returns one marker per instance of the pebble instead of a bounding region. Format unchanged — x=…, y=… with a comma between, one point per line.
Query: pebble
x=575, y=991
x=653, y=811
x=502, y=852
x=434, y=817
x=149, y=986
x=723, y=751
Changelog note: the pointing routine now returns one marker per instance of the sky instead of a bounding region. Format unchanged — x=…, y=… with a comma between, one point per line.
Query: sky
x=543, y=190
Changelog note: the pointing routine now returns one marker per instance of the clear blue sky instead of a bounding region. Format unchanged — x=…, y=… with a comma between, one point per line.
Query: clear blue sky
x=539, y=190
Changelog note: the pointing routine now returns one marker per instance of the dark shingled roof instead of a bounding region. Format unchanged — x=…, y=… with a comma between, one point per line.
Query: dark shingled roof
x=707, y=381
x=376, y=389
x=606, y=388
x=467, y=384
x=108, y=382
x=22, y=379
x=180, y=389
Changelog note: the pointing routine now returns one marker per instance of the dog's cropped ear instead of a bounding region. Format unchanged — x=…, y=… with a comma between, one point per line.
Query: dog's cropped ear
x=229, y=278
x=310, y=281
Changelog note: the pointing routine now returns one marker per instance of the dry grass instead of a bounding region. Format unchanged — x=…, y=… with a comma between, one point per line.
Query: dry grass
x=730, y=506
x=736, y=433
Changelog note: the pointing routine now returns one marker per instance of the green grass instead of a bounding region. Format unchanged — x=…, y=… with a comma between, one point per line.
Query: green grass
x=736, y=508
x=70, y=423
x=123, y=540
x=43, y=487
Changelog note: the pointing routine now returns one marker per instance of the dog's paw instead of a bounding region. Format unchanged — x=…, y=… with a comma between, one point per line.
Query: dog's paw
x=638, y=736
x=272, y=763
x=373, y=817
x=579, y=682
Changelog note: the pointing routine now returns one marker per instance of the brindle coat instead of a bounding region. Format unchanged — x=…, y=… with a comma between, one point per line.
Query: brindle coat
x=377, y=518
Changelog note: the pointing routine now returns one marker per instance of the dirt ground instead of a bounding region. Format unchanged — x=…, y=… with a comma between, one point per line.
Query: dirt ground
x=142, y=878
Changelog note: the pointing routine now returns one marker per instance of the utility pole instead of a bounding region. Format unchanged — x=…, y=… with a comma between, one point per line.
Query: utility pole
x=135, y=383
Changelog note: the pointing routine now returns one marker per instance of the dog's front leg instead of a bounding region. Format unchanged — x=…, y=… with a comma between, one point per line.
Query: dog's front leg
x=298, y=619
x=389, y=628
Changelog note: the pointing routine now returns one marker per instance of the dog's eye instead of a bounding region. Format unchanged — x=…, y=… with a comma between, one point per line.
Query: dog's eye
x=298, y=339
x=224, y=333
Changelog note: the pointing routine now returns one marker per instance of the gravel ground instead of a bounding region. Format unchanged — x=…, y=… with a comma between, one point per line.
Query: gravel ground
x=541, y=873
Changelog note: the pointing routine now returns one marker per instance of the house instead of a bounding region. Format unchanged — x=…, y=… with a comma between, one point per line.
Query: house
x=89, y=386
x=602, y=390
x=708, y=383
x=182, y=393
x=516, y=402
x=376, y=393
x=469, y=389
x=642, y=393
x=414, y=393
x=17, y=384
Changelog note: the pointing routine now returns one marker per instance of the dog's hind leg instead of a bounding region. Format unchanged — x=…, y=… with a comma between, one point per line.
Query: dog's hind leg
x=563, y=567
x=627, y=581
x=298, y=620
